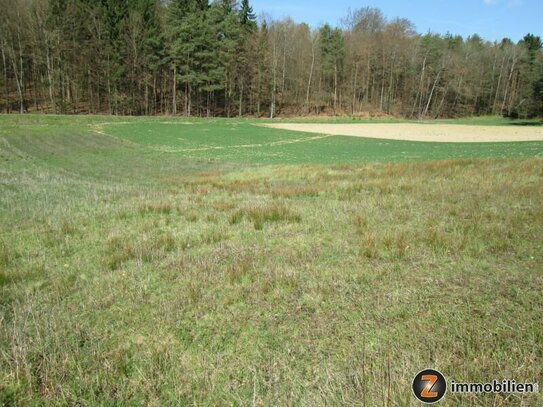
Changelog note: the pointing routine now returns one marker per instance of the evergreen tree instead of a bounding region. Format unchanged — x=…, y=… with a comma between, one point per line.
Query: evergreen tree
x=332, y=47
x=229, y=36
x=247, y=17
x=151, y=56
x=531, y=90
x=146, y=56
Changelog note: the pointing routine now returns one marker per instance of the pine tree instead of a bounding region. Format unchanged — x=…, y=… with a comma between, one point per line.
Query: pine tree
x=531, y=90
x=184, y=30
x=146, y=53
x=247, y=17
x=229, y=34
x=332, y=46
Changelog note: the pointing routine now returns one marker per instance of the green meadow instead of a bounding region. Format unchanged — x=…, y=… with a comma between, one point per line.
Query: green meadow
x=176, y=261
x=248, y=142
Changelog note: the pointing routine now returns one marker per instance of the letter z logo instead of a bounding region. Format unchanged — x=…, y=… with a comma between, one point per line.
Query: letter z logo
x=426, y=392
x=429, y=386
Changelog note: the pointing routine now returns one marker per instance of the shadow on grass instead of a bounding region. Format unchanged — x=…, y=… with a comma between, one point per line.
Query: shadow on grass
x=526, y=123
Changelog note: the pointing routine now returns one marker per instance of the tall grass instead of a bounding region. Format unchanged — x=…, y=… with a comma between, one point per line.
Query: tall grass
x=220, y=284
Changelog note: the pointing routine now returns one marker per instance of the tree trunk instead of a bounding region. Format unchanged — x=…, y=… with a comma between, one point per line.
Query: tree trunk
x=4, y=64
x=498, y=86
x=21, y=76
x=335, y=85
x=258, y=91
x=508, y=84
x=75, y=96
x=419, y=91
x=381, y=99
x=110, y=107
x=34, y=90
x=284, y=70
x=353, y=101
x=274, y=83
x=241, y=98
x=174, y=90
x=432, y=93
x=390, y=94
x=458, y=91
x=154, y=94
x=306, y=109
x=18, y=80
x=189, y=94
x=91, y=96
x=146, y=97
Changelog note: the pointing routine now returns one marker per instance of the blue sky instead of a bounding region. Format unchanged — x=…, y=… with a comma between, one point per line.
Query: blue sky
x=491, y=19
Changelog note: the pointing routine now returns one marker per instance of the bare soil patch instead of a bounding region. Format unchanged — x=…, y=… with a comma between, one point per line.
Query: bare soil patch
x=445, y=133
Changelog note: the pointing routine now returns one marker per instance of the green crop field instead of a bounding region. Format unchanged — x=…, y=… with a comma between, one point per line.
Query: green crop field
x=247, y=142
x=174, y=261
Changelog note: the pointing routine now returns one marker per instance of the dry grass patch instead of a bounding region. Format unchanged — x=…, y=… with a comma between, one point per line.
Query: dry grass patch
x=192, y=216
x=123, y=249
x=222, y=205
x=275, y=212
x=160, y=208
x=295, y=191
x=251, y=186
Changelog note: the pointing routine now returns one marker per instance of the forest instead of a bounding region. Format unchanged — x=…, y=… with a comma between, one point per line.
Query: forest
x=201, y=58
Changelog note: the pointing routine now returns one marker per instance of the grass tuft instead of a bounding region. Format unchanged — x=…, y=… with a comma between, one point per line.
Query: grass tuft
x=191, y=216
x=294, y=191
x=275, y=212
x=236, y=217
x=7, y=254
x=239, y=268
x=160, y=208
x=123, y=249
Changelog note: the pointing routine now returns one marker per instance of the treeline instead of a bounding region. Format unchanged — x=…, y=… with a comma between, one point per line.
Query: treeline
x=194, y=57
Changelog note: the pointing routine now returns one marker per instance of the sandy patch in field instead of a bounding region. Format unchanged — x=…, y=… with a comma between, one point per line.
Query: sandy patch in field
x=444, y=133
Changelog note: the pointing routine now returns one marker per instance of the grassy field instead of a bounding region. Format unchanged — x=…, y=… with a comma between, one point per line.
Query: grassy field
x=166, y=261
